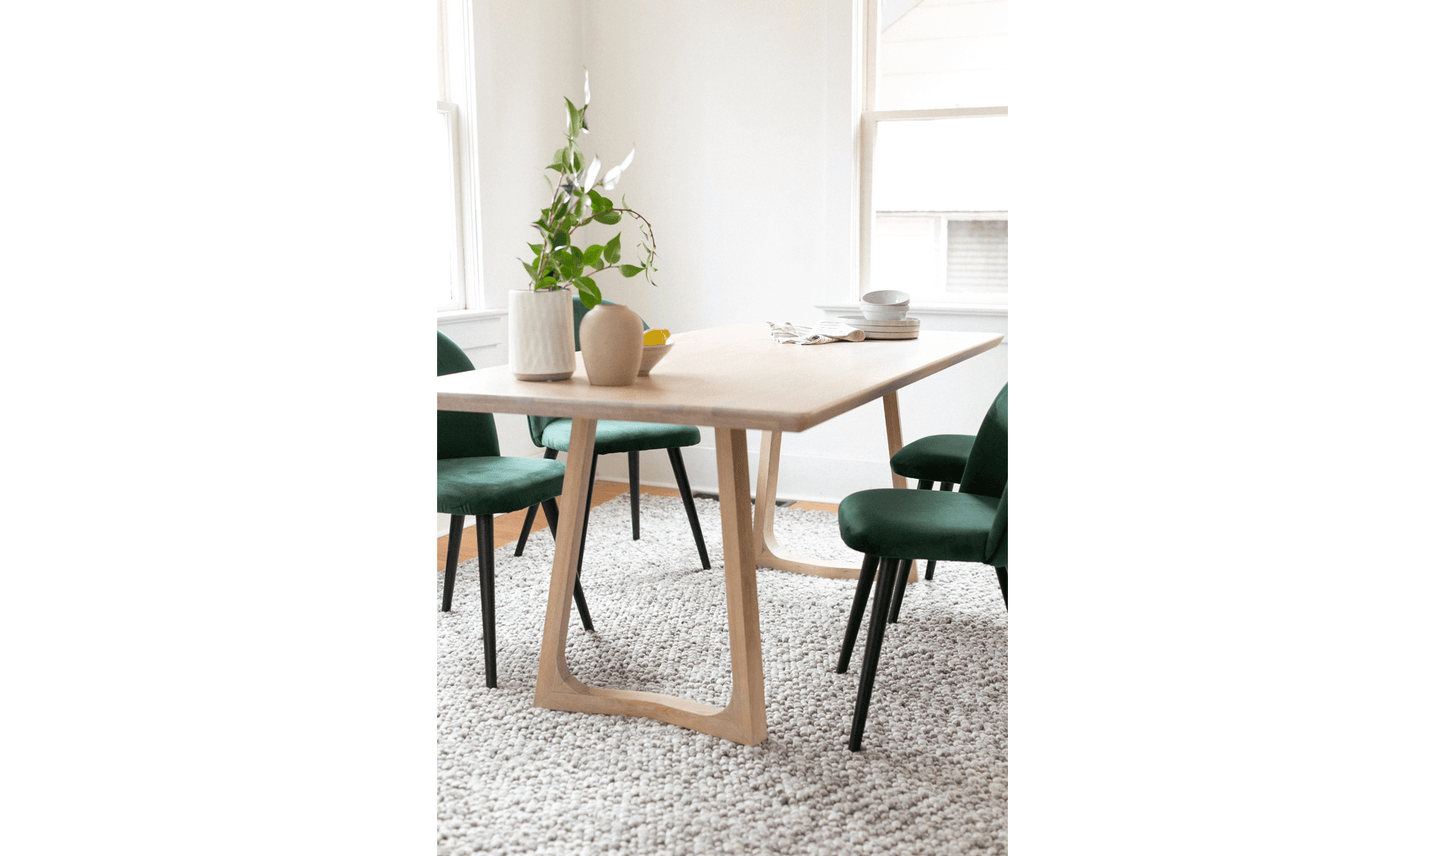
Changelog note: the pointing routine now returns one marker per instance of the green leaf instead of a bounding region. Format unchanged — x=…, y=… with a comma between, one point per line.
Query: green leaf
x=589, y=292
x=574, y=118
x=609, y=218
x=576, y=161
x=600, y=203
x=613, y=252
x=536, y=248
x=559, y=238
x=630, y=270
x=548, y=282
x=577, y=254
x=593, y=256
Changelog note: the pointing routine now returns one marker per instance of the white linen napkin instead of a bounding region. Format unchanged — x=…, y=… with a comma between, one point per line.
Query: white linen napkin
x=821, y=333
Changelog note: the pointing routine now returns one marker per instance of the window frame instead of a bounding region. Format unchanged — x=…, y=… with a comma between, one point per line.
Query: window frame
x=457, y=260
x=869, y=118
x=457, y=91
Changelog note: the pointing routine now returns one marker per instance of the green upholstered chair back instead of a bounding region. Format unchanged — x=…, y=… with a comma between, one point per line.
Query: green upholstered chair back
x=996, y=550
x=987, y=470
x=462, y=435
x=536, y=424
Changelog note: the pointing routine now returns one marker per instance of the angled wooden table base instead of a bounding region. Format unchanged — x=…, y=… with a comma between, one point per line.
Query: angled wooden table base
x=743, y=720
x=770, y=555
x=733, y=379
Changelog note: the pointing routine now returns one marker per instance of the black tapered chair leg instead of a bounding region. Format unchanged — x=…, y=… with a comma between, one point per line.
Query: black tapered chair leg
x=489, y=596
x=900, y=582
x=634, y=484
x=1002, y=574
x=454, y=549
x=549, y=508
x=551, y=455
x=586, y=515
x=855, y=615
x=679, y=472
x=526, y=530
x=888, y=570
x=928, y=572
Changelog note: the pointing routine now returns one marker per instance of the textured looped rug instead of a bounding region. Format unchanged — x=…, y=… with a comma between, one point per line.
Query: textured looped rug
x=932, y=777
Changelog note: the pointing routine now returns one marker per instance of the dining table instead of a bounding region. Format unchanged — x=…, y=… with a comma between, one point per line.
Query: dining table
x=731, y=378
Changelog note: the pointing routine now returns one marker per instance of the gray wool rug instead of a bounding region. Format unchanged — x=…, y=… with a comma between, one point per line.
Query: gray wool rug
x=932, y=777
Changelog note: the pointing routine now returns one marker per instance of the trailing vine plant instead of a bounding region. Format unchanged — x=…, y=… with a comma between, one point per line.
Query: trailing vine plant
x=559, y=263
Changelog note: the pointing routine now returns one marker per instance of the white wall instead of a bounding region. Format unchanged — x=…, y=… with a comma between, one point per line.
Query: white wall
x=518, y=121
x=741, y=113
x=728, y=104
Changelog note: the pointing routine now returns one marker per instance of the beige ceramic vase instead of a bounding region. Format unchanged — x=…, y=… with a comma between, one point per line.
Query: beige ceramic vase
x=611, y=339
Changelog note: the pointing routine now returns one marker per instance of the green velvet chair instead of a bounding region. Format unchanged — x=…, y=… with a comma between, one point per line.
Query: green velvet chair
x=892, y=526
x=616, y=437
x=474, y=479
x=936, y=459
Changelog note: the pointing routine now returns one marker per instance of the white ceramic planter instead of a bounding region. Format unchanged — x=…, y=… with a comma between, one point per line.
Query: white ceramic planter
x=540, y=339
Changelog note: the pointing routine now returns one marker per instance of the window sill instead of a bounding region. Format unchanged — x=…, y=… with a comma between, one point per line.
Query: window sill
x=457, y=316
x=1000, y=309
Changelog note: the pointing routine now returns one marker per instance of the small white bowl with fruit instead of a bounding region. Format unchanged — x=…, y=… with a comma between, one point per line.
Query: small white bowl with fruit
x=655, y=346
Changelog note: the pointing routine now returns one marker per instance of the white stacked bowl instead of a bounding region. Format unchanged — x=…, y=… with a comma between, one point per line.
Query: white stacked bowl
x=885, y=305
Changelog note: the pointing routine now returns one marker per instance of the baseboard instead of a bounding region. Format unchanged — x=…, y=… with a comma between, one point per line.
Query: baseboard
x=800, y=477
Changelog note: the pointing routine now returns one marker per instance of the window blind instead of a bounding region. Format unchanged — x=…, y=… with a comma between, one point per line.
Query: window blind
x=977, y=256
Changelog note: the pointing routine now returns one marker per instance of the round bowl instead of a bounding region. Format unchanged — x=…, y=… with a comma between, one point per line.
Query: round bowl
x=886, y=298
x=884, y=313
x=651, y=356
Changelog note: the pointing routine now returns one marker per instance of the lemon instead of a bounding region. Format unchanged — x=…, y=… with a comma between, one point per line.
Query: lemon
x=655, y=337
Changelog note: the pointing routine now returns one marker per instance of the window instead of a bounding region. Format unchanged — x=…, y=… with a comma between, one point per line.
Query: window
x=934, y=156
x=458, y=279
x=447, y=186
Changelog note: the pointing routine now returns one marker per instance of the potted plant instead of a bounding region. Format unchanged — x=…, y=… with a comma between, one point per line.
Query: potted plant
x=542, y=345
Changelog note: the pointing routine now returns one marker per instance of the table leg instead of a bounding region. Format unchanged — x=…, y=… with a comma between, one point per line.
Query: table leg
x=769, y=554
x=744, y=719
x=894, y=428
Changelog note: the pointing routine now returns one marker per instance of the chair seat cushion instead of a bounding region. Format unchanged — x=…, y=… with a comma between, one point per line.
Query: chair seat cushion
x=939, y=458
x=894, y=523
x=614, y=436
x=495, y=485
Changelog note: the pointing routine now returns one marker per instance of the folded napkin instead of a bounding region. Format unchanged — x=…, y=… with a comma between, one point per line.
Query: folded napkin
x=821, y=333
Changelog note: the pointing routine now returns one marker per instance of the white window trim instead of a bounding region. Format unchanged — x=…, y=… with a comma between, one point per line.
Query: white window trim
x=868, y=118
x=929, y=308
x=461, y=316
x=461, y=81
x=450, y=111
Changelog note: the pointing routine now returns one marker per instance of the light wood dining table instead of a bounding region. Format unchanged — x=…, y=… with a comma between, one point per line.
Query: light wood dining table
x=731, y=378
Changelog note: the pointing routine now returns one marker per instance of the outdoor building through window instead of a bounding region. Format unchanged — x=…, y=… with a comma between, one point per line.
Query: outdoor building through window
x=934, y=205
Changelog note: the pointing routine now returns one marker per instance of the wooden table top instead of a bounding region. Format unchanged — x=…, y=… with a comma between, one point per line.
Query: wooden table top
x=731, y=377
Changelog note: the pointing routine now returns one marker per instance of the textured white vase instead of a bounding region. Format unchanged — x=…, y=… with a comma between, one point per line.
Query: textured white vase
x=540, y=340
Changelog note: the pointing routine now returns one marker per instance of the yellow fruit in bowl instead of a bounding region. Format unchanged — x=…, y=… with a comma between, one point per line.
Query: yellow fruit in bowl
x=655, y=337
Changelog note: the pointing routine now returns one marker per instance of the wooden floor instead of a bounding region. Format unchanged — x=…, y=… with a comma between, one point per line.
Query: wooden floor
x=507, y=528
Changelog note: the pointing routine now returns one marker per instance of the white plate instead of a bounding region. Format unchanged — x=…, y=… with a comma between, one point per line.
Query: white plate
x=872, y=334
x=895, y=322
x=862, y=323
